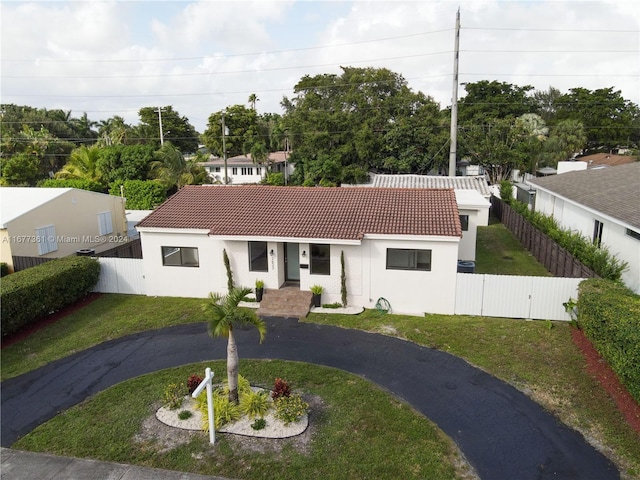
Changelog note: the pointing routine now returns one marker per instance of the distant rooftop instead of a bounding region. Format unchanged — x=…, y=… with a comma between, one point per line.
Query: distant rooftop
x=16, y=201
x=432, y=181
x=614, y=191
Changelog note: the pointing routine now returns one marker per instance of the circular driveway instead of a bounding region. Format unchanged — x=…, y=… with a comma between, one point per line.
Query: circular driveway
x=501, y=432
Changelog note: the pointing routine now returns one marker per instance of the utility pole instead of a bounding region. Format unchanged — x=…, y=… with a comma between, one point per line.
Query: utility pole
x=454, y=102
x=224, y=149
x=160, y=110
x=286, y=151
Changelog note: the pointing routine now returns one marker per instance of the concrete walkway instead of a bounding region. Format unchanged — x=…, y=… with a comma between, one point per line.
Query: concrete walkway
x=17, y=465
x=502, y=433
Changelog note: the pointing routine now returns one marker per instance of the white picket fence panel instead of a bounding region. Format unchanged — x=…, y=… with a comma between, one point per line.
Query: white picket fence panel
x=121, y=275
x=539, y=298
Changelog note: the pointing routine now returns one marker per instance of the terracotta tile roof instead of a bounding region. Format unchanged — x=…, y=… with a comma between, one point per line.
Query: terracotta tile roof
x=299, y=212
x=433, y=181
x=614, y=191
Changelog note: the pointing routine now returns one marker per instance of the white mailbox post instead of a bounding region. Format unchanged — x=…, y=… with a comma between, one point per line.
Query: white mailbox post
x=208, y=376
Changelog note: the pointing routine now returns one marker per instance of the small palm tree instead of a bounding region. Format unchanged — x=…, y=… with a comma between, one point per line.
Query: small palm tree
x=225, y=313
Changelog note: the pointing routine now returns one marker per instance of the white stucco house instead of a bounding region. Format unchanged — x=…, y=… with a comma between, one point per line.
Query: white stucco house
x=399, y=244
x=602, y=204
x=472, y=197
x=57, y=222
x=242, y=170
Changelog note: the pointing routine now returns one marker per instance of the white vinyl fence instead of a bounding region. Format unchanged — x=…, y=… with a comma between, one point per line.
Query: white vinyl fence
x=539, y=298
x=121, y=275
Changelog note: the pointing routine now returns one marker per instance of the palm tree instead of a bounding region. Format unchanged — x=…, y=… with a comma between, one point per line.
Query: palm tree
x=225, y=314
x=253, y=98
x=82, y=164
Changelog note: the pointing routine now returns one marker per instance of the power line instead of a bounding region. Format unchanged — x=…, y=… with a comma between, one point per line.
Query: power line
x=302, y=49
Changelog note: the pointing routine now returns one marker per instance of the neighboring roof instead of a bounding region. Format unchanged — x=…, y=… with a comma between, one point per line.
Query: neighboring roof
x=613, y=191
x=274, y=157
x=469, y=198
x=16, y=201
x=301, y=212
x=432, y=181
x=607, y=159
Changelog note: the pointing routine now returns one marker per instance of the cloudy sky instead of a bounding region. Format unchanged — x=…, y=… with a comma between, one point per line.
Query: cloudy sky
x=111, y=58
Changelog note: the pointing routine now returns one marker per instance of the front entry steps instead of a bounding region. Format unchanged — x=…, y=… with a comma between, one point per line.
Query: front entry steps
x=285, y=302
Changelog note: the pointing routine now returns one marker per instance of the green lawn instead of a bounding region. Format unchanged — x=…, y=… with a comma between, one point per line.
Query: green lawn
x=357, y=431
x=499, y=252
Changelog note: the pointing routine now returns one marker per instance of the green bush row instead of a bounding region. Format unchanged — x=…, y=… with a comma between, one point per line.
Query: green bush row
x=28, y=295
x=597, y=258
x=609, y=314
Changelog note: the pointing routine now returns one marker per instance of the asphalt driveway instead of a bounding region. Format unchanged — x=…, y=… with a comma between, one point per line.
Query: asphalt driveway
x=502, y=433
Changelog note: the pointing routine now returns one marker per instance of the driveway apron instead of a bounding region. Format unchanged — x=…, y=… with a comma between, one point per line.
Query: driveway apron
x=501, y=432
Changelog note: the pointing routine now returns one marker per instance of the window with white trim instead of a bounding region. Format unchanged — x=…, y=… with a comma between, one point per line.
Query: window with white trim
x=633, y=234
x=246, y=171
x=597, y=232
x=408, y=259
x=105, y=225
x=258, y=261
x=234, y=171
x=180, y=257
x=46, y=239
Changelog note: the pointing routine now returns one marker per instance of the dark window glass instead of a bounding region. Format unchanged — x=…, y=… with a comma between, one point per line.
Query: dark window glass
x=408, y=259
x=258, y=257
x=464, y=222
x=320, y=259
x=180, y=257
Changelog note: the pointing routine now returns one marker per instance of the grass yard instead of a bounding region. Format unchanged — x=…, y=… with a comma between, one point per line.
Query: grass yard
x=537, y=357
x=357, y=430
x=499, y=252
x=111, y=316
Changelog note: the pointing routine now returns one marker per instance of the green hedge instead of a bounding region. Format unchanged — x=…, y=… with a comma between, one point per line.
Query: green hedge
x=597, y=258
x=609, y=314
x=31, y=294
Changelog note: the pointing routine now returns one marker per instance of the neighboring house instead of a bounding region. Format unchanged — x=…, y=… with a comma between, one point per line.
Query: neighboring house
x=400, y=244
x=57, y=222
x=601, y=204
x=472, y=196
x=606, y=159
x=242, y=169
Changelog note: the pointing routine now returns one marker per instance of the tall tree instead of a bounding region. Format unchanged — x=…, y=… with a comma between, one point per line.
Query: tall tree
x=253, y=98
x=608, y=119
x=125, y=162
x=487, y=100
x=224, y=316
x=175, y=129
x=172, y=170
x=340, y=125
x=241, y=131
x=547, y=102
x=566, y=139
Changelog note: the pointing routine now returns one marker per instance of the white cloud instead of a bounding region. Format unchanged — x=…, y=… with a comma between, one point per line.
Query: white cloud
x=194, y=55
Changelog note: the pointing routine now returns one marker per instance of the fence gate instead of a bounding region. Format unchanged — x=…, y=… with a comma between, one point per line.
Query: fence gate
x=121, y=275
x=539, y=298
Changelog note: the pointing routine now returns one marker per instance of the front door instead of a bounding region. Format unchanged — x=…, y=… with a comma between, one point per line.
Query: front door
x=292, y=262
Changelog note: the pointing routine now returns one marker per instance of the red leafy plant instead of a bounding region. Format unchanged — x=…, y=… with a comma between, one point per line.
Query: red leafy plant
x=280, y=389
x=193, y=382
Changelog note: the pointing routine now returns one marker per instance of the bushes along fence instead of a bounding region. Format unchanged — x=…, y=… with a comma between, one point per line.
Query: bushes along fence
x=29, y=295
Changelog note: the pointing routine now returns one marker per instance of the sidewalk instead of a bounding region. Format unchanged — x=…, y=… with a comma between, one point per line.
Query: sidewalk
x=19, y=465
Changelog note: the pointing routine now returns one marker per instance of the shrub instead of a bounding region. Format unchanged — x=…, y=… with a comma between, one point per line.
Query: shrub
x=185, y=415
x=280, y=389
x=223, y=410
x=243, y=386
x=4, y=269
x=506, y=191
x=290, y=409
x=79, y=183
x=193, y=382
x=259, y=424
x=609, y=314
x=254, y=404
x=173, y=396
x=140, y=194
x=28, y=295
x=332, y=305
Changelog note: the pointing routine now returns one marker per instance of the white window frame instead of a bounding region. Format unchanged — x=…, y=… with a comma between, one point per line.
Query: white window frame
x=186, y=257
x=46, y=239
x=105, y=224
